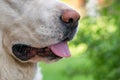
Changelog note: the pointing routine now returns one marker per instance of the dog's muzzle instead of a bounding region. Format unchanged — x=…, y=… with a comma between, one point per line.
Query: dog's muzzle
x=69, y=19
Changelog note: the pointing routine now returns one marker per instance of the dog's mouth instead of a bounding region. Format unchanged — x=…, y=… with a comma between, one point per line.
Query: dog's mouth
x=26, y=52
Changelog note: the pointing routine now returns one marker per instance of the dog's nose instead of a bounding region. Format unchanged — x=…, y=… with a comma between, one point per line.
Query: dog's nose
x=70, y=17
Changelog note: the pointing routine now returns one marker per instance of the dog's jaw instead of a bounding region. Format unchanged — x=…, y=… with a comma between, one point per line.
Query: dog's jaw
x=48, y=54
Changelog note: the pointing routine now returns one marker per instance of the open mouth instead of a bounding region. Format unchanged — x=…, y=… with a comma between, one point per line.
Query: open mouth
x=26, y=52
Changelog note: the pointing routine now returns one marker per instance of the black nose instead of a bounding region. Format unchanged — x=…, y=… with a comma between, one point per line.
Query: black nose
x=70, y=17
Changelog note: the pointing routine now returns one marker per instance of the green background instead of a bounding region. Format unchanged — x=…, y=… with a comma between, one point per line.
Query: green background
x=95, y=50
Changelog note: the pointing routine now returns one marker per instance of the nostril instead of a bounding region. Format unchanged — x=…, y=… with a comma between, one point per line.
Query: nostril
x=70, y=20
x=67, y=20
x=69, y=16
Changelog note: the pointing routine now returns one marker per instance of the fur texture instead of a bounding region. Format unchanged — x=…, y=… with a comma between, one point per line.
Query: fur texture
x=31, y=22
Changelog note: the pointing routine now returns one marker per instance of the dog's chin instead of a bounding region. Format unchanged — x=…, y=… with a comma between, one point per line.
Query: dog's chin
x=51, y=53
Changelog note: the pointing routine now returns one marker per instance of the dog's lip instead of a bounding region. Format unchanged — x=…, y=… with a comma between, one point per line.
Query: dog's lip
x=25, y=52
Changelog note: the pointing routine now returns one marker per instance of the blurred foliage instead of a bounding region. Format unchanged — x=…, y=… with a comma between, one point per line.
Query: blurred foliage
x=102, y=37
x=75, y=68
x=97, y=46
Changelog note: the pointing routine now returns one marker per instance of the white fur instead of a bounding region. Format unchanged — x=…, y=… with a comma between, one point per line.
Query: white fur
x=32, y=22
x=38, y=75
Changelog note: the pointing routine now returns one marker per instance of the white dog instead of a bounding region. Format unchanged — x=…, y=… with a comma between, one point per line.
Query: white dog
x=33, y=31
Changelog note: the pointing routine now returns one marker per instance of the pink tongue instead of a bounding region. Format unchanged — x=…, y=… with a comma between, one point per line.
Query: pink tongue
x=61, y=49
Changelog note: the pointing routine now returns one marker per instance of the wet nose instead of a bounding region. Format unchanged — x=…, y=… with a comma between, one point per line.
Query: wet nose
x=70, y=17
